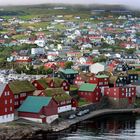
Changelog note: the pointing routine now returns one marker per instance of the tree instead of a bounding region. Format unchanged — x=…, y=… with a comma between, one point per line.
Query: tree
x=68, y=64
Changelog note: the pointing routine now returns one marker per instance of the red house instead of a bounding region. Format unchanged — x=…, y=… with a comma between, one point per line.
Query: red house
x=38, y=109
x=63, y=100
x=90, y=92
x=40, y=84
x=121, y=97
x=55, y=82
x=100, y=80
x=23, y=59
x=6, y=104
x=21, y=89
x=83, y=78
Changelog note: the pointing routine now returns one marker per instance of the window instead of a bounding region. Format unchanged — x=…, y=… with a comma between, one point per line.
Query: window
x=97, y=93
x=5, y=109
x=35, y=84
x=8, y=93
x=115, y=99
x=5, y=93
x=10, y=101
x=64, y=84
x=96, y=98
x=115, y=89
x=11, y=109
x=114, y=93
x=5, y=101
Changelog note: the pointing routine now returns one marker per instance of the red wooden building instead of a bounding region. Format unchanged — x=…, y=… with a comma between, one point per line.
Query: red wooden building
x=55, y=82
x=121, y=97
x=83, y=78
x=63, y=100
x=23, y=59
x=21, y=89
x=90, y=92
x=6, y=104
x=39, y=109
x=100, y=80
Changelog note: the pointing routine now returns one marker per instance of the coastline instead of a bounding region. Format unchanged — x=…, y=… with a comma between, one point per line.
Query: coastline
x=68, y=123
x=26, y=129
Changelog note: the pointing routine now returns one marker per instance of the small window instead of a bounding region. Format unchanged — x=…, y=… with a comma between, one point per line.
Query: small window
x=5, y=101
x=11, y=109
x=5, y=109
x=115, y=99
x=10, y=101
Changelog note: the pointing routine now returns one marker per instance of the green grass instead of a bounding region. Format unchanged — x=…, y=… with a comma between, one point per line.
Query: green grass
x=82, y=102
x=137, y=102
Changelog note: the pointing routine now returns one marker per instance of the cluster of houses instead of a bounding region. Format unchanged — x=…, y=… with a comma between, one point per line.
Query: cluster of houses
x=42, y=100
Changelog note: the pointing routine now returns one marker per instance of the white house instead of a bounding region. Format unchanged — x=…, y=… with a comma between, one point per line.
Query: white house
x=96, y=67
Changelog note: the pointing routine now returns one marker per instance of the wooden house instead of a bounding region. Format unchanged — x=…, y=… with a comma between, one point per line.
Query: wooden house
x=38, y=109
x=121, y=97
x=21, y=89
x=6, y=104
x=90, y=92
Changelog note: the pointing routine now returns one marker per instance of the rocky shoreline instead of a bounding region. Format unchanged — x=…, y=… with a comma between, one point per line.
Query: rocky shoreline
x=21, y=130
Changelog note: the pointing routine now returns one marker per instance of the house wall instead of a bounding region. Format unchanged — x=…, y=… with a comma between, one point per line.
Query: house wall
x=28, y=114
x=93, y=97
x=19, y=98
x=37, y=85
x=50, y=109
x=120, y=103
x=50, y=119
x=65, y=85
x=6, y=118
x=6, y=102
x=99, y=81
x=64, y=108
x=33, y=119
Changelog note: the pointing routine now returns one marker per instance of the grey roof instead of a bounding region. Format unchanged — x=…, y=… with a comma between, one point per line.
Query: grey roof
x=2, y=87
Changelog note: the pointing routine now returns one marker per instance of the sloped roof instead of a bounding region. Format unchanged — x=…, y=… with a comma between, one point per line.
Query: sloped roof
x=102, y=76
x=87, y=87
x=34, y=104
x=58, y=94
x=21, y=86
x=2, y=87
x=113, y=79
x=43, y=83
x=69, y=71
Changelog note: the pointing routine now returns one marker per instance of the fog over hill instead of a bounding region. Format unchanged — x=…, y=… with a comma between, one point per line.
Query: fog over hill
x=131, y=3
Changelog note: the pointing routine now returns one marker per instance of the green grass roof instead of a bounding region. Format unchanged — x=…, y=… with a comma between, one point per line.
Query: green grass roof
x=34, y=104
x=57, y=93
x=69, y=71
x=43, y=83
x=87, y=87
x=21, y=86
x=101, y=76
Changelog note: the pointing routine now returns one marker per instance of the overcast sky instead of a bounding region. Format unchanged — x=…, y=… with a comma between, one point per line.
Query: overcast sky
x=134, y=3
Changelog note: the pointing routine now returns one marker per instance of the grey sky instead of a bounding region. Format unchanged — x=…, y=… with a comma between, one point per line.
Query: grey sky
x=134, y=3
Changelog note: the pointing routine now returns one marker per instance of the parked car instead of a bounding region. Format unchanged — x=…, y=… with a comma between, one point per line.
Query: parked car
x=83, y=112
x=72, y=116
